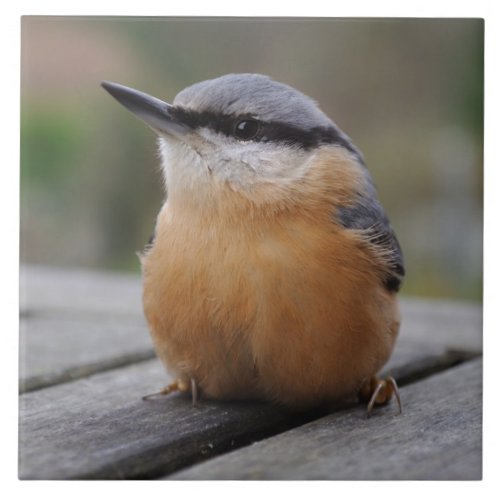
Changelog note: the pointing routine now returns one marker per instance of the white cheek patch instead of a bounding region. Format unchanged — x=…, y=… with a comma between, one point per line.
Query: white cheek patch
x=248, y=163
x=182, y=167
x=206, y=157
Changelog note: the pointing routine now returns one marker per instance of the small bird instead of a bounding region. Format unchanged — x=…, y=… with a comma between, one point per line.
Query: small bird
x=273, y=272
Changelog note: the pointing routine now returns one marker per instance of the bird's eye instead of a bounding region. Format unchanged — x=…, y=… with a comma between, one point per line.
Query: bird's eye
x=246, y=129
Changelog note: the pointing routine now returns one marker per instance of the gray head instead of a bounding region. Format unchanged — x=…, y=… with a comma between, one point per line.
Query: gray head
x=255, y=96
x=239, y=129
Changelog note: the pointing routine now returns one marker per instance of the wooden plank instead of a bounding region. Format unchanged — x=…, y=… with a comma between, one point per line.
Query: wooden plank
x=454, y=324
x=45, y=289
x=97, y=427
x=77, y=322
x=438, y=437
x=56, y=349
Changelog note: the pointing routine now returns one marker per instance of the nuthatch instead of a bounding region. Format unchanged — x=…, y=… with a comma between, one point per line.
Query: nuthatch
x=274, y=271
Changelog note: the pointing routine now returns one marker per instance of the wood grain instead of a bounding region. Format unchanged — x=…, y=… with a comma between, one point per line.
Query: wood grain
x=98, y=427
x=57, y=349
x=438, y=437
x=45, y=289
x=77, y=322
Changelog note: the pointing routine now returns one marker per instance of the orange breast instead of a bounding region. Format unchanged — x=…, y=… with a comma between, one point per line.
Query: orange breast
x=285, y=306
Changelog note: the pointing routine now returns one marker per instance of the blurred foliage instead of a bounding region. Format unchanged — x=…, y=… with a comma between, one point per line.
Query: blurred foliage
x=408, y=91
x=52, y=142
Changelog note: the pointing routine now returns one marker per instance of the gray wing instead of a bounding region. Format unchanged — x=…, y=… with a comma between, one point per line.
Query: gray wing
x=367, y=215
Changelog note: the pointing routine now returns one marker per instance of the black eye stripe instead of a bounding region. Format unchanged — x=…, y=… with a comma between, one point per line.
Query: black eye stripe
x=278, y=132
x=217, y=122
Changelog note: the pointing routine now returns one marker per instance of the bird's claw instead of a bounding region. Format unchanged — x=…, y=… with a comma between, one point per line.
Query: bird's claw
x=178, y=385
x=377, y=391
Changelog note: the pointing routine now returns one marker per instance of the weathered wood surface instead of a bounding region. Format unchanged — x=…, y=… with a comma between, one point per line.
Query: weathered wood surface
x=437, y=437
x=98, y=427
x=45, y=289
x=57, y=349
x=74, y=324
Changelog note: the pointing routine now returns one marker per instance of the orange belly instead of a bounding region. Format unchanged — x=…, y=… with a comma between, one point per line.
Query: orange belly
x=288, y=309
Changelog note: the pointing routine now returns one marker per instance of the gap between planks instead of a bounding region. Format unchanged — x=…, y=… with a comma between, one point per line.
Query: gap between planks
x=123, y=439
x=39, y=382
x=438, y=437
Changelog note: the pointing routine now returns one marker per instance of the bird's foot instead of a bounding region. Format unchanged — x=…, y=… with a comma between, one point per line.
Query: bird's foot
x=178, y=385
x=194, y=392
x=377, y=391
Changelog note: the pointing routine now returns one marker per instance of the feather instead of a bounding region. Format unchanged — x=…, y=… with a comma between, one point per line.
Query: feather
x=367, y=217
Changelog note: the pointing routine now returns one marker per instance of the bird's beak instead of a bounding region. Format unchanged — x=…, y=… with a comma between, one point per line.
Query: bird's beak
x=149, y=109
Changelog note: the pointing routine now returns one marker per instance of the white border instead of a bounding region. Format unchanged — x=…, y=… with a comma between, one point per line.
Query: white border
x=9, y=184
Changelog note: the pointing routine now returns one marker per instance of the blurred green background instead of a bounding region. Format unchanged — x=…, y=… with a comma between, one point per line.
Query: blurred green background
x=409, y=92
